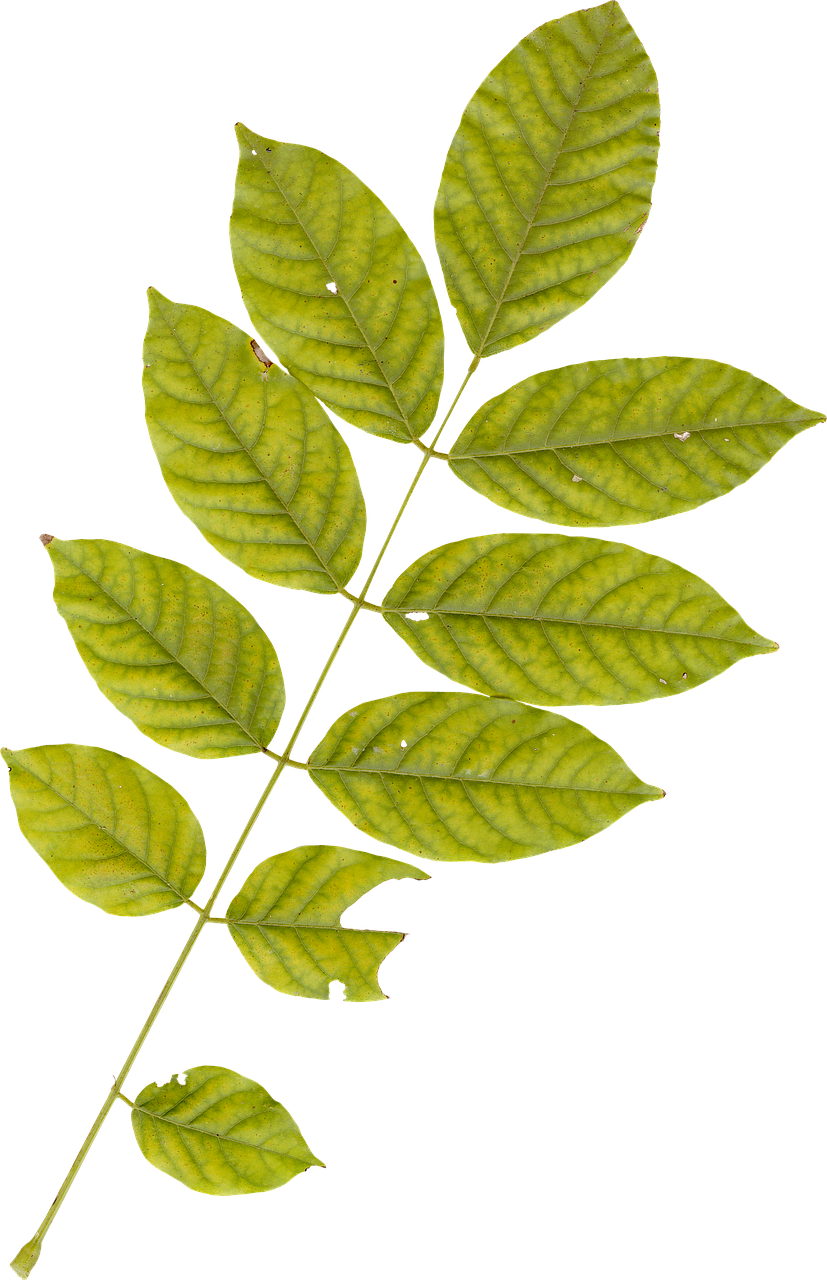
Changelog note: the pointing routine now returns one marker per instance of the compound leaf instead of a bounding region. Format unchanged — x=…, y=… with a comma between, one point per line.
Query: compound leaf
x=622, y=441
x=286, y=921
x=219, y=1133
x=335, y=287
x=549, y=177
x=172, y=650
x=247, y=452
x=457, y=777
x=113, y=833
x=565, y=621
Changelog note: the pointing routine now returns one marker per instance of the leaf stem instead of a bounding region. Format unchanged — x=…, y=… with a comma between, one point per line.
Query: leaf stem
x=28, y=1255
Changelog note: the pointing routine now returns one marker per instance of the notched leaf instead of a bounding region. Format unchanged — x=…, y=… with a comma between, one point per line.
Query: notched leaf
x=286, y=921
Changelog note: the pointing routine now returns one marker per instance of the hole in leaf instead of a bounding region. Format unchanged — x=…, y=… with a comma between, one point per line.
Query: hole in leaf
x=331, y=285
x=417, y=617
x=181, y=1077
x=336, y=991
x=403, y=743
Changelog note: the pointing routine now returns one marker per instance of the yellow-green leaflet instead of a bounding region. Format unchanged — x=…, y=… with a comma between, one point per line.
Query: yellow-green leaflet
x=565, y=621
x=622, y=441
x=248, y=453
x=457, y=777
x=219, y=1133
x=112, y=832
x=548, y=180
x=286, y=921
x=171, y=649
x=335, y=287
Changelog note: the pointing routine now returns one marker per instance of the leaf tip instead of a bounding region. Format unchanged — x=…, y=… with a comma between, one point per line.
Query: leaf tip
x=46, y=538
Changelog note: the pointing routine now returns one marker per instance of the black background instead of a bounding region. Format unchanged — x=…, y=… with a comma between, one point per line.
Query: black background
x=558, y=1029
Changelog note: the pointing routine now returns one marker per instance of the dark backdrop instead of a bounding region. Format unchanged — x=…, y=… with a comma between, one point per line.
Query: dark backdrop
x=558, y=1029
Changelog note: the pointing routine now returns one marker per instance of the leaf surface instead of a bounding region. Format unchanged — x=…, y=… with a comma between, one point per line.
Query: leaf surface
x=248, y=453
x=335, y=287
x=565, y=621
x=219, y=1133
x=286, y=921
x=549, y=177
x=113, y=833
x=623, y=441
x=171, y=649
x=457, y=777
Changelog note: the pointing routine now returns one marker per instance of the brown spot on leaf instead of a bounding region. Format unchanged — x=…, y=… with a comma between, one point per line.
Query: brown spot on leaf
x=259, y=354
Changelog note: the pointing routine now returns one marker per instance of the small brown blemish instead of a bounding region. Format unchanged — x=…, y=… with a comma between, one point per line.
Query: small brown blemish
x=259, y=354
x=46, y=538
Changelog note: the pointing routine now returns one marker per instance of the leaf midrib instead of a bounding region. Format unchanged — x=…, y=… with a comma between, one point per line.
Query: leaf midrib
x=455, y=777
x=573, y=622
x=312, y=928
x=654, y=435
x=219, y=1137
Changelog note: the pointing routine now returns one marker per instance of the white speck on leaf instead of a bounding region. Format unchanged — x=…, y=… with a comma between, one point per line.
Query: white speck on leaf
x=577, y=479
x=681, y=435
x=663, y=681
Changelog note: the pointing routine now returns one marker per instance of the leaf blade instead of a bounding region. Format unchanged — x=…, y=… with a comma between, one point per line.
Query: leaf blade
x=563, y=621
x=624, y=441
x=113, y=833
x=548, y=179
x=248, y=454
x=169, y=648
x=286, y=921
x=457, y=777
x=219, y=1133
x=370, y=348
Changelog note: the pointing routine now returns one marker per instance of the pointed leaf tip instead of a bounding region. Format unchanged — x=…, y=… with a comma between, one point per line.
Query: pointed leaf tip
x=46, y=538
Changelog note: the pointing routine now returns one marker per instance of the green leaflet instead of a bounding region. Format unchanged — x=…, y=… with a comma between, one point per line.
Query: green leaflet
x=549, y=177
x=457, y=777
x=173, y=651
x=219, y=1133
x=565, y=621
x=370, y=347
x=112, y=832
x=647, y=438
x=248, y=453
x=286, y=921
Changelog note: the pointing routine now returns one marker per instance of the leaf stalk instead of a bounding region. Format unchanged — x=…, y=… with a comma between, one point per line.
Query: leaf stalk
x=28, y=1255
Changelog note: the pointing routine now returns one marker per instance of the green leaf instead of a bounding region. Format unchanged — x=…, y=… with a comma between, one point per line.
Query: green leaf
x=112, y=832
x=457, y=777
x=219, y=1133
x=286, y=921
x=549, y=177
x=622, y=441
x=564, y=621
x=173, y=651
x=335, y=287
x=247, y=452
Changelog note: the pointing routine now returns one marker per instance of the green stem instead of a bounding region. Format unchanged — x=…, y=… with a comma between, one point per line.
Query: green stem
x=28, y=1255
